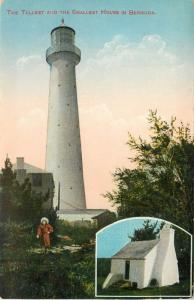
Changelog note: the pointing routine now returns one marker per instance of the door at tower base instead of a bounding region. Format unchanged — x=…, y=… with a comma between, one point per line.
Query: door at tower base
x=146, y=263
x=63, y=152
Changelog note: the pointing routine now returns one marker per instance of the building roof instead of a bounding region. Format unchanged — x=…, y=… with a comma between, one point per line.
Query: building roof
x=62, y=27
x=136, y=250
x=79, y=214
x=89, y=211
x=30, y=169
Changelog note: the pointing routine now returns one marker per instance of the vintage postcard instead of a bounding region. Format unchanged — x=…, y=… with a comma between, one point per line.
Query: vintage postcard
x=96, y=149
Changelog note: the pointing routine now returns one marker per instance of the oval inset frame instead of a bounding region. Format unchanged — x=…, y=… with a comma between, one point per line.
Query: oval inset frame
x=133, y=219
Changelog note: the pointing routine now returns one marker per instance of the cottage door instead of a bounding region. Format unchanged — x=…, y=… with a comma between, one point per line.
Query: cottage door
x=127, y=270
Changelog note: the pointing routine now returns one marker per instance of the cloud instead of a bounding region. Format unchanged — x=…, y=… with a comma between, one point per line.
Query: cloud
x=134, y=76
x=151, y=52
x=101, y=113
x=26, y=60
x=120, y=84
x=154, y=43
x=99, y=117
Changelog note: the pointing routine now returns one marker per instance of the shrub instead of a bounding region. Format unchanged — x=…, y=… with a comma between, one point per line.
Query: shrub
x=134, y=285
x=26, y=274
x=154, y=282
x=78, y=234
x=103, y=266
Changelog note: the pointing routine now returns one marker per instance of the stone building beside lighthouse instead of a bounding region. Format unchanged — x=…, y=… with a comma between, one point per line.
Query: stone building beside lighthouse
x=63, y=149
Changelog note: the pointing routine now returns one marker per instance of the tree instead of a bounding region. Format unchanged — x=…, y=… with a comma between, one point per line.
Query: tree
x=18, y=202
x=6, y=181
x=162, y=182
x=149, y=231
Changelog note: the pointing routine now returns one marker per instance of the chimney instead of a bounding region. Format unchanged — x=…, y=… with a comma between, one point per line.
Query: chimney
x=167, y=234
x=20, y=163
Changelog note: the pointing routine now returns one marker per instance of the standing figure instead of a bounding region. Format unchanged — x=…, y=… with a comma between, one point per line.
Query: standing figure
x=43, y=231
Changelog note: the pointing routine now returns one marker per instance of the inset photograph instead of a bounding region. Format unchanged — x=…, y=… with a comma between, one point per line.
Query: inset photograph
x=143, y=257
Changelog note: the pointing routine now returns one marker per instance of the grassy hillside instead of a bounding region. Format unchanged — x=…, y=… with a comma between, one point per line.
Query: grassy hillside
x=122, y=288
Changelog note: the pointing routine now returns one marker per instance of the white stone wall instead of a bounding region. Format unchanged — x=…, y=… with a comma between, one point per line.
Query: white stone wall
x=137, y=272
x=118, y=266
x=150, y=261
x=166, y=267
x=170, y=274
x=63, y=153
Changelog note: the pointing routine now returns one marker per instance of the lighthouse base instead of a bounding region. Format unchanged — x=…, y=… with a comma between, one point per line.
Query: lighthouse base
x=83, y=216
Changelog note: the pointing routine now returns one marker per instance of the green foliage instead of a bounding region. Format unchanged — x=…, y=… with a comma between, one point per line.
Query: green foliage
x=16, y=236
x=83, y=273
x=28, y=273
x=183, y=252
x=162, y=182
x=43, y=276
x=149, y=231
x=108, y=218
x=27, y=205
x=17, y=201
x=25, y=270
x=7, y=179
x=154, y=282
x=103, y=267
x=78, y=234
x=119, y=289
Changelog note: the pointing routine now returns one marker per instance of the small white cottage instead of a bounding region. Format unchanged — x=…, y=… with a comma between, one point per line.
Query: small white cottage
x=145, y=263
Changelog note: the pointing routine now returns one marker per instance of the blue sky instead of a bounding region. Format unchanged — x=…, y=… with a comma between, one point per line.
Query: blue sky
x=114, y=237
x=174, y=21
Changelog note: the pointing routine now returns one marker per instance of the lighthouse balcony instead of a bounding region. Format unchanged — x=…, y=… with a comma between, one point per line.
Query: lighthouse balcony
x=63, y=48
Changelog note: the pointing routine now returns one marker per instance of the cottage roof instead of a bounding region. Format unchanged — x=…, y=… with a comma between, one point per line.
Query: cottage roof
x=136, y=250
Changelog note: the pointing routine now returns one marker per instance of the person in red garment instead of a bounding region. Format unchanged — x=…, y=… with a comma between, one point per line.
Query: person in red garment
x=44, y=230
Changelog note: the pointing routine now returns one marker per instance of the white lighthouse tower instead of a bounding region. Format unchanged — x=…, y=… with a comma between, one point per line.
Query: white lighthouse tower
x=63, y=152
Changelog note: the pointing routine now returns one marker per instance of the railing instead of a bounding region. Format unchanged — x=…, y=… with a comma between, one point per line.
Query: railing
x=63, y=48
